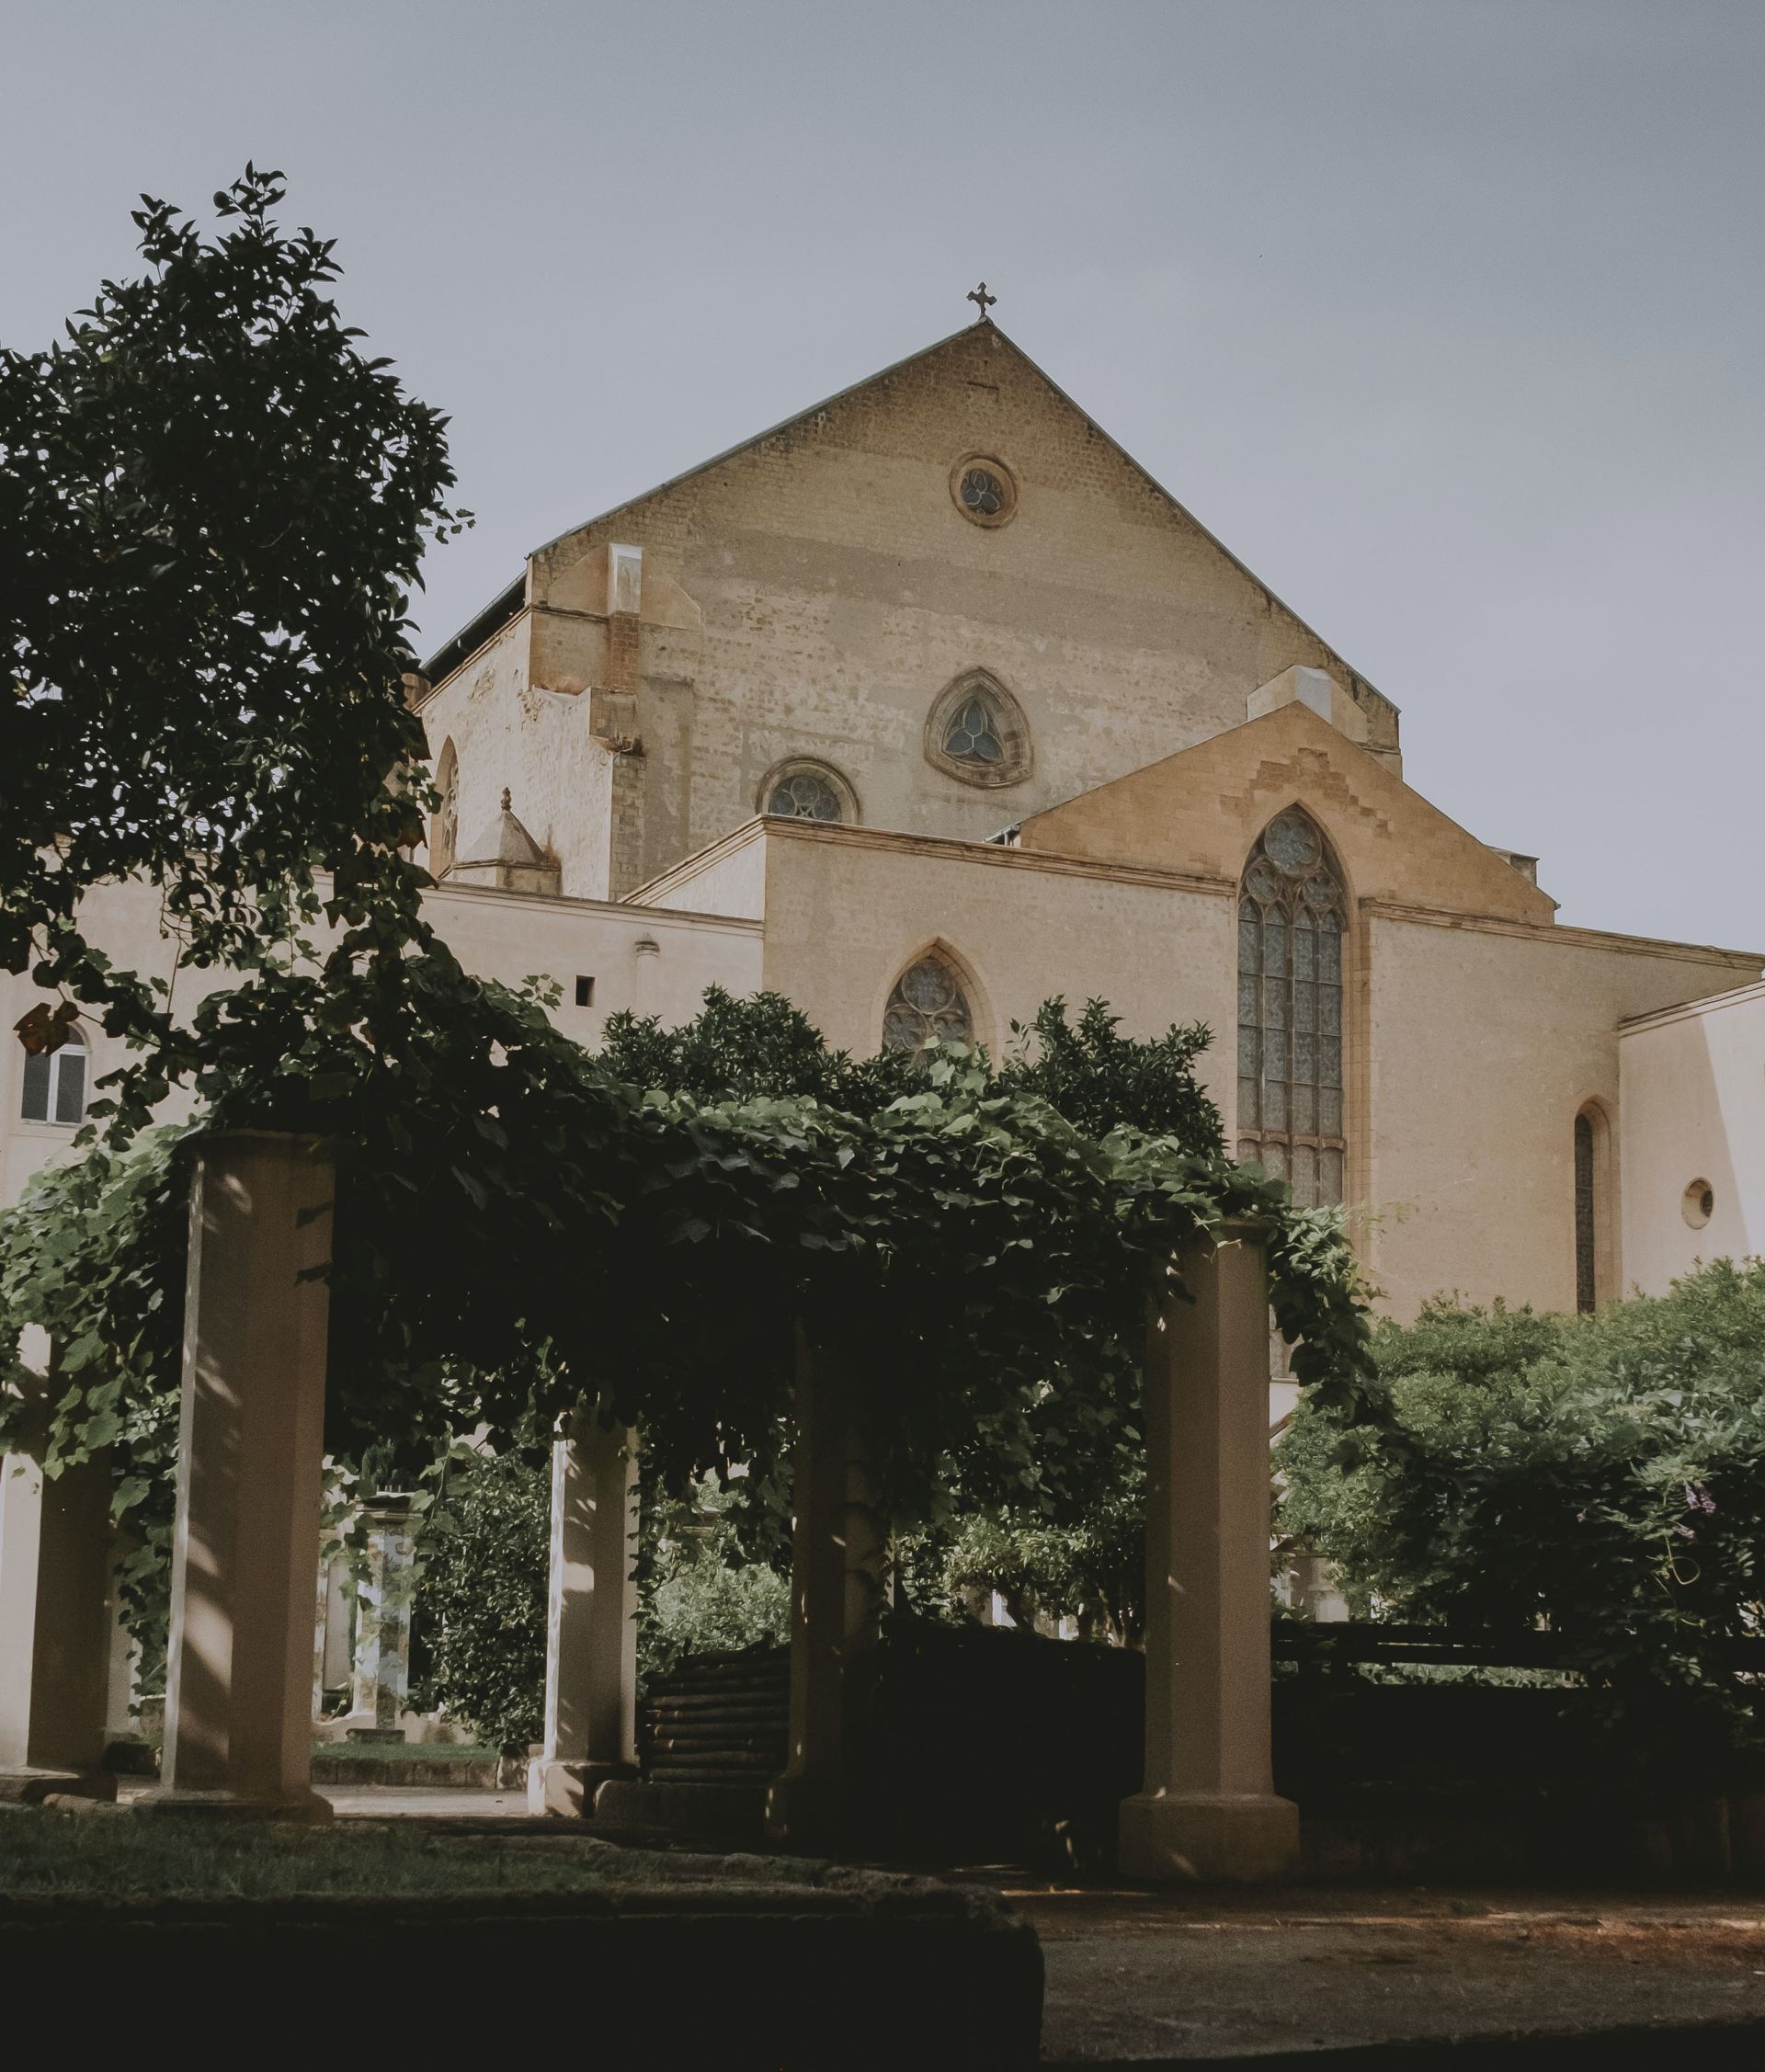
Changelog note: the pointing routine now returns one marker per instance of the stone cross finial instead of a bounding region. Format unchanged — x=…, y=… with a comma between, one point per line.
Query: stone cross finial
x=983, y=300
x=506, y=804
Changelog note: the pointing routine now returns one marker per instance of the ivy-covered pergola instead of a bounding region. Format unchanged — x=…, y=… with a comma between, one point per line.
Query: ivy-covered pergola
x=407, y=1207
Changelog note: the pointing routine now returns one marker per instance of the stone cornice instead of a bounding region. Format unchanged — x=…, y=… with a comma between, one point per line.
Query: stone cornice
x=1555, y=932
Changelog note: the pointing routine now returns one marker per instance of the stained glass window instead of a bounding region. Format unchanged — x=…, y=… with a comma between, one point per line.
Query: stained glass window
x=973, y=734
x=982, y=491
x=927, y=1007
x=1291, y=913
x=804, y=794
x=1585, y=1224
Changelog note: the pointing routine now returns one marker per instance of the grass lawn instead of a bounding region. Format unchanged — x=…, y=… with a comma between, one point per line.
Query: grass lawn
x=113, y=1851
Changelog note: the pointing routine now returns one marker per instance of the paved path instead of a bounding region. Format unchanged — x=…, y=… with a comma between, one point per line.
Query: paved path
x=1133, y=1976
x=354, y=1800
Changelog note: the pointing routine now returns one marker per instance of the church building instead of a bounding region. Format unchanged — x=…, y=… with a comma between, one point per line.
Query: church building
x=931, y=703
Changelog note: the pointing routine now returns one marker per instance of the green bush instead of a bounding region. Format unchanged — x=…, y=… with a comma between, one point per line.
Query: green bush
x=479, y=1623
x=1599, y=1475
x=702, y=1588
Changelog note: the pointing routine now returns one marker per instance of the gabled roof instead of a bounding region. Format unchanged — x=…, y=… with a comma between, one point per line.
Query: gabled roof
x=483, y=625
x=1201, y=809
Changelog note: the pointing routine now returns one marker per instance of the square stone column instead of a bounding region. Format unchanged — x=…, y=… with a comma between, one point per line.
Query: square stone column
x=55, y=1628
x=591, y=1619
x=380, y=1668
x=836, y=1589
x=251, y=1438
x=1207, y=1808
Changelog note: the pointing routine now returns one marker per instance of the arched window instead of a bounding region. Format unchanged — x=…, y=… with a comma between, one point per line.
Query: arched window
x=1292, y=912
x=1586, y=1225
x=977, y=732
x=55, y=1083
x=444, y=834
x=804, y=789
x=928, y=1007
x=1596, y=1263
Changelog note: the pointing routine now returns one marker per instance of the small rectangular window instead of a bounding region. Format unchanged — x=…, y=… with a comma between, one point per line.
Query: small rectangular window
x=585, y=992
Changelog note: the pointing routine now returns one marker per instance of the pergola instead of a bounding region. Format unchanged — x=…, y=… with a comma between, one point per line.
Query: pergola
x=238, y=1707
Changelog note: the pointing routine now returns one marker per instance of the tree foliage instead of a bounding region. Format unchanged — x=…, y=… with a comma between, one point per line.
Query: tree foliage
x=212, y=506
x=1601, y=1474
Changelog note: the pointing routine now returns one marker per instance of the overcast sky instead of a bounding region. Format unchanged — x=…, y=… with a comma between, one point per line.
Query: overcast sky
x=1446, y=316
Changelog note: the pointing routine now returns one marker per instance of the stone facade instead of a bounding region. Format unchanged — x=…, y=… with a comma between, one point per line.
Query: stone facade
x=813, y=593
x=826, y=598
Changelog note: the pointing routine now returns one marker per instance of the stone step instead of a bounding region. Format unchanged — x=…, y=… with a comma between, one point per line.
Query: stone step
x=732, y=1760
x=683, y=1807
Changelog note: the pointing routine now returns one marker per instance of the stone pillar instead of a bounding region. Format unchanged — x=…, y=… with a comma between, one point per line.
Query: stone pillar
x=380, y=1675
x=591, y=1619
x=55, y=1637
x=837, y=1560
x=1207, y=1808
x=251, y=1436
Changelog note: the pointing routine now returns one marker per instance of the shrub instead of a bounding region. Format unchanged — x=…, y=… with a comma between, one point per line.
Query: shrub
x=1599, y=1475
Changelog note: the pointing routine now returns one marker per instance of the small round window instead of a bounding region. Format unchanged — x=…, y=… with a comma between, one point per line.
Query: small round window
x=983, y=489
x=1697, y=1204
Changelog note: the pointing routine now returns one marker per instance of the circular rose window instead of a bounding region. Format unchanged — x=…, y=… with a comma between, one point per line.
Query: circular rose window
x=982, y=489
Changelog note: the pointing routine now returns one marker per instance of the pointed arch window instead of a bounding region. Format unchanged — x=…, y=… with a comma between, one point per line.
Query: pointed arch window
x=1585, y=1224
x=928, y=1007
x=444, y=833
x=1292, y=911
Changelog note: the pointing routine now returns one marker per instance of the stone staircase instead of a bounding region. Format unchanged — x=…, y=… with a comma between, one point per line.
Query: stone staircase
x=711, y=1736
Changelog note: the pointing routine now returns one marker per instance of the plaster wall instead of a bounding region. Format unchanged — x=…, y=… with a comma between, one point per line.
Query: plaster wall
x=538, y=743
x=500, y=935
x=1692, y=1109
x=1479, y=1045
x=728, y=878
x=813, y=592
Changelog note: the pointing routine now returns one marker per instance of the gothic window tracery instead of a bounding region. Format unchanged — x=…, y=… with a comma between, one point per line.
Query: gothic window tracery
x=1292, y=911
x=928, y=1007
x=977, y=732
x=805, y=790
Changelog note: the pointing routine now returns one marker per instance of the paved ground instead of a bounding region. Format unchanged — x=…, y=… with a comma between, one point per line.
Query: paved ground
x=1134, y=1977
x=347, y=1799
x=1137, y=1977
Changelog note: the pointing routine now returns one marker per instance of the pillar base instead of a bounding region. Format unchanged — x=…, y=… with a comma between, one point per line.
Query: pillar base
x=29, y=1784
x=807, y=1812
x=306, y=1806
x=1205, y=1837
x=567, y=1789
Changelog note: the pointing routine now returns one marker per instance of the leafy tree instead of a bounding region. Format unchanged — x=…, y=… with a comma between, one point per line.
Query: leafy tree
x=1601, y=1474
x=212, y=507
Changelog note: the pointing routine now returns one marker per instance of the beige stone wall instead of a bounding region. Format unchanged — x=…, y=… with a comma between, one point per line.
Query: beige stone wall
x=1471, y=1042
x=1482, y=1043
x=1203, y=809
x=813, y=592
x=1692, y=1109
x=847, y=912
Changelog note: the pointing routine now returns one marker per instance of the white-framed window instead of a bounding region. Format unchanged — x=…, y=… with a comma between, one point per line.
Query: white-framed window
x=55, y=1083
